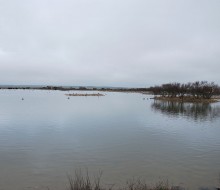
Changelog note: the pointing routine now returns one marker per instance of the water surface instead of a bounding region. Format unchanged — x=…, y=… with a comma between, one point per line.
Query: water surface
x=46, y=136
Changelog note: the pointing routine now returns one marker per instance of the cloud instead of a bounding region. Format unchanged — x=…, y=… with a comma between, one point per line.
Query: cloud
x=115, y=43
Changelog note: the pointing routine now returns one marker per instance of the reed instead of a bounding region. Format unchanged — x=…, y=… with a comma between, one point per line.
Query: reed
x=82, y=181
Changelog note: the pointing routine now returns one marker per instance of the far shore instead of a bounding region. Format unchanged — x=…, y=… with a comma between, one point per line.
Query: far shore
x=80, y=88
x=144, y=91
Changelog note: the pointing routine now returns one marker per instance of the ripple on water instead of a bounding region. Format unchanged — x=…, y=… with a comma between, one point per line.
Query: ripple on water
x=46, y=135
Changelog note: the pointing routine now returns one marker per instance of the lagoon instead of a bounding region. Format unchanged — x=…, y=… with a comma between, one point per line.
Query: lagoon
x=125, y=135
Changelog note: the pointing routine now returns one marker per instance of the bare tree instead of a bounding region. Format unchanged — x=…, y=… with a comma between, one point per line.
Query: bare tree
x=198, y=89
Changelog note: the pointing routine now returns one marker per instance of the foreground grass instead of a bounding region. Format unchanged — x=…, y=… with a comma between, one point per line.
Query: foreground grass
x=84, y=182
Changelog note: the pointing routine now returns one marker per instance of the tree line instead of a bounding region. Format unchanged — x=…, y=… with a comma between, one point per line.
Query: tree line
x=198, y=90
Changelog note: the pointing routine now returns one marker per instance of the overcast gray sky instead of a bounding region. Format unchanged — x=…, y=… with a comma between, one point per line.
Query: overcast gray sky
x=109, y=42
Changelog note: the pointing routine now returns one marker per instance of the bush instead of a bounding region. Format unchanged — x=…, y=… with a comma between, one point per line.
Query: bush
x=196, y=89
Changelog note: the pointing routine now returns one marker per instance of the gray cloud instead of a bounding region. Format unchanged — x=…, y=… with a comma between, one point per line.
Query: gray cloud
x=111, y=42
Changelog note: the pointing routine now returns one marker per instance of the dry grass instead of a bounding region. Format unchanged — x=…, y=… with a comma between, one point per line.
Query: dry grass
x=83, y=182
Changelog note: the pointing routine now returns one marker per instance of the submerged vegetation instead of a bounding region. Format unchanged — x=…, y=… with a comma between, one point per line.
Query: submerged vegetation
x=199, y=91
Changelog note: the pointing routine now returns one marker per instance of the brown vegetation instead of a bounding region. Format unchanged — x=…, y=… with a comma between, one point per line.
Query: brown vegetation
x=190, y=92
x=98, y=94
x=81, y=182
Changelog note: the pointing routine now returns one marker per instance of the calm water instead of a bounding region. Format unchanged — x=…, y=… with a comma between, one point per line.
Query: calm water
x=47, y=136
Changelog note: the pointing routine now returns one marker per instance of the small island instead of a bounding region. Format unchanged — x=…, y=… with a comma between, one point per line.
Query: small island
x=76, y=94
x=192, y=92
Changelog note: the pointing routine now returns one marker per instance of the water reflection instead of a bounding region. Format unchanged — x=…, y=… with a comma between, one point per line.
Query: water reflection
x=195, y=111
x=46, y=136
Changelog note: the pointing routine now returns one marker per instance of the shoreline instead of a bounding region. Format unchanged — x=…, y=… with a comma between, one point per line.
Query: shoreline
x=144, y=91
x=101, y=89
x=187, y=99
